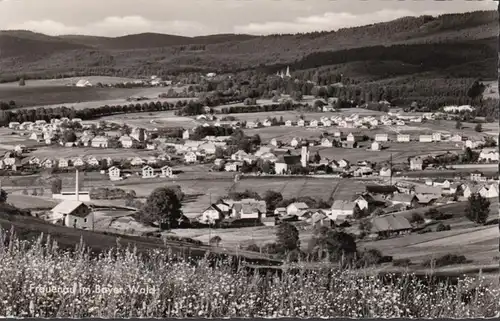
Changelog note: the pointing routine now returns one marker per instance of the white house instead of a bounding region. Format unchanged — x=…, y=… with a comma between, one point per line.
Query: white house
x=426, y=138
x=296, y=208
x=92, y=161
x=301, y=123
x=489, y=155
x=148, y=172
x=185, y=134
x=313, y=123
x=100, y=142
x=267, y=123
x=343, y=163
x=361, y=202
x=294, y=142
x=14, y=125
x=385, y=172
x=47, y=163
x=232, y=166
x=403, y=138
x=166, y=171
x=381, y=137
x=137, y=161
x=72, y=214
x=375, y=146
x=436, y=137
x=239, y=155
x=78, y=161
x=274, y=142
x=416, y=163
x=126, y=141
x=325, y=142
x=456, y=138
x=190, y=157
x=342, y=209
x=83, y=83
x=288, y=123
x=114, y=173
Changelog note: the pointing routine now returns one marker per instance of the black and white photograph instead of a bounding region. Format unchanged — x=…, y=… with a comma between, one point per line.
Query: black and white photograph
x=249, y=159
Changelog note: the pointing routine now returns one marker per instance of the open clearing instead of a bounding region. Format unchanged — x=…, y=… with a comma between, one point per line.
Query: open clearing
x=152, y=120
x=60, y=151
x=62, y=82
x=30, y=202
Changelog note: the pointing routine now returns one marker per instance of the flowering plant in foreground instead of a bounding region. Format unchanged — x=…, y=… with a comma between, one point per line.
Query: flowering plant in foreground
x=38, y=279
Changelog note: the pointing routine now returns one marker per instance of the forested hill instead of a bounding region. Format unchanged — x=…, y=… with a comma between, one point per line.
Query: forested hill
x=455, y=39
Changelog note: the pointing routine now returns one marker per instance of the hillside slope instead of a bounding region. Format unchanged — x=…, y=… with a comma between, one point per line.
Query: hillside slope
x=34, y=55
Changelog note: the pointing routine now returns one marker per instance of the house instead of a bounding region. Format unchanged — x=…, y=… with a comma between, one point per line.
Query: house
x=275, y=142
x=301, y=123
x=288, y=123
x=83, y=83
x=166, y=171
x=472, y=144
x=436, y=137
x=126, y=141
x=375, y=146
x=208, y=148
x=114, y=173
x=251, y=124
x=342, y=209
x=92, y=161
x=489, y=155
x=381, y=137
x=72, y=214
x=492, y=191
x=296, y=208
x=34, y=161
x=425, y=138
x=283, y=163
x=248, y=209
x=403, y=138
x=343, y=163
x=233, y=166
x=416, y=163
x=36, y=136
x=185, y=134
x=14, y=125
x=408, y=200
x=269, y=157
x=313, y=123
x=325, y=142
x=351, y=138
x=477, y=176
x=295, y=142
x=361, y=201
x=151, y=160
x=100, y=142
x=77, y=161
x=267, y=123
x=20, y=149
x=190, y=157
x=327, y=123
x=47, y=163
x=138, y=134
x=239, y=155
x=148, y=172
x=456, y=138
x=211, y=215
x=388, y=225
x=137, y=161
x=426, y=199
x=444, y=183
x=385, y=172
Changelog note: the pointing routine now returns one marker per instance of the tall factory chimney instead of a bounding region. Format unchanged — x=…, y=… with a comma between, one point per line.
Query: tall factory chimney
x=77, y=186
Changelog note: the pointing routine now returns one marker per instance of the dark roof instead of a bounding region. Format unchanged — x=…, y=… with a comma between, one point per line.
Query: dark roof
x=389, y=223
x=381, y=189
x=289, y=159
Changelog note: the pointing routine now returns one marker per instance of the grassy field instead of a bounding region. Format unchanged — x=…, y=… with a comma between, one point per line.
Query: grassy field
x=152, y=120
x=62, y=82
x=57, y=151
x=31, y=202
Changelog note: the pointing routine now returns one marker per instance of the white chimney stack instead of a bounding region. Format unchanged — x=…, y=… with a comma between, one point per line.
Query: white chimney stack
x=77, y=186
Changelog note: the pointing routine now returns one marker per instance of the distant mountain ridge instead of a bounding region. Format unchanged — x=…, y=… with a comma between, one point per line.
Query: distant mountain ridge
x=35, y=55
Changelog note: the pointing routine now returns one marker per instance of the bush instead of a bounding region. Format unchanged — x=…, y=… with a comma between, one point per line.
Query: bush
x=416, y=218
x=253, y=248
x=401, y=262
x=442, y=227
x=445, y=260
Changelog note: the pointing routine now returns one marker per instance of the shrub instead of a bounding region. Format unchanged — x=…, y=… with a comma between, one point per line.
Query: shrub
x=442, y=227
x=401, y=262
x=416, y=218
x=445, y=260
x=253, y=248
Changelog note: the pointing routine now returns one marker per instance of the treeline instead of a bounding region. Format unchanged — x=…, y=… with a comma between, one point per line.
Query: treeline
x=264, y=108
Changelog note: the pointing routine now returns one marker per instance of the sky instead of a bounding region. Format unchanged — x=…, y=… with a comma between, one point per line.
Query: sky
x=115, y=18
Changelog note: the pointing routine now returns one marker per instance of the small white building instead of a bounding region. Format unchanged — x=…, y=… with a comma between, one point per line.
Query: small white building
x=288, y=123
x=185, y=134
x=72, y=214
x=114, y=173
x=301, y=123
x=375, y=146
x=296, y=208
x=381, y=137
x=436, y=137
x=166, y=171
x=426, y=138
x=325, y=142
x=190, y=157
x=416, y=163
x=385, y=172
x=489, y=155
x=456, y=138
x=100, y=142
x=148, y=172
x=403, y=138
x=137, y=161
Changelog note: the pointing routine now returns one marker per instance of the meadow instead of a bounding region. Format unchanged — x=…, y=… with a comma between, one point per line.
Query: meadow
x=122, y=283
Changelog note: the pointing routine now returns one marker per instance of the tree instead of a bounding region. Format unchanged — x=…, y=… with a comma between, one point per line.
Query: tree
x=22, y=82
x=272, y=198
x=332, y=244
x=163, y=206
x=56, y=185
x=478, y=128
x=478, y=208
x=317, y=158
x=416, y=218
x=359, y=213
x=287, y=237
x=458, y=124
x=219, y=152
x=215, y=240
x=3, y=196
x=69, y=136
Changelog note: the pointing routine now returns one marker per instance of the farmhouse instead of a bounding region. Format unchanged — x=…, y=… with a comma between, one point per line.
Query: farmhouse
x=381, y=137
x=325, y=142
x=489, y=155
x=248, y=209
x=100, y=142
x=114, y=173
x=73, y=214
x=425, y=138
x=190, y=157
x=166, y=171
x=211, y=215
x=342, y=209
x=283, y=163
x=385, y=172
x=375, y=146
x=416, y=163
x=403, y=138
x=148, y=172
x=126, y=141
x=92, y=161
x=296, y=208
x=408, y=200
x=301, y=123
x=388, y=225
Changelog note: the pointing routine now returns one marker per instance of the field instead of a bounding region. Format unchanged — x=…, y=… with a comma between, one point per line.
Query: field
x=152, y=120
x=62, y=82
x=57, y=151
x=31, y=202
